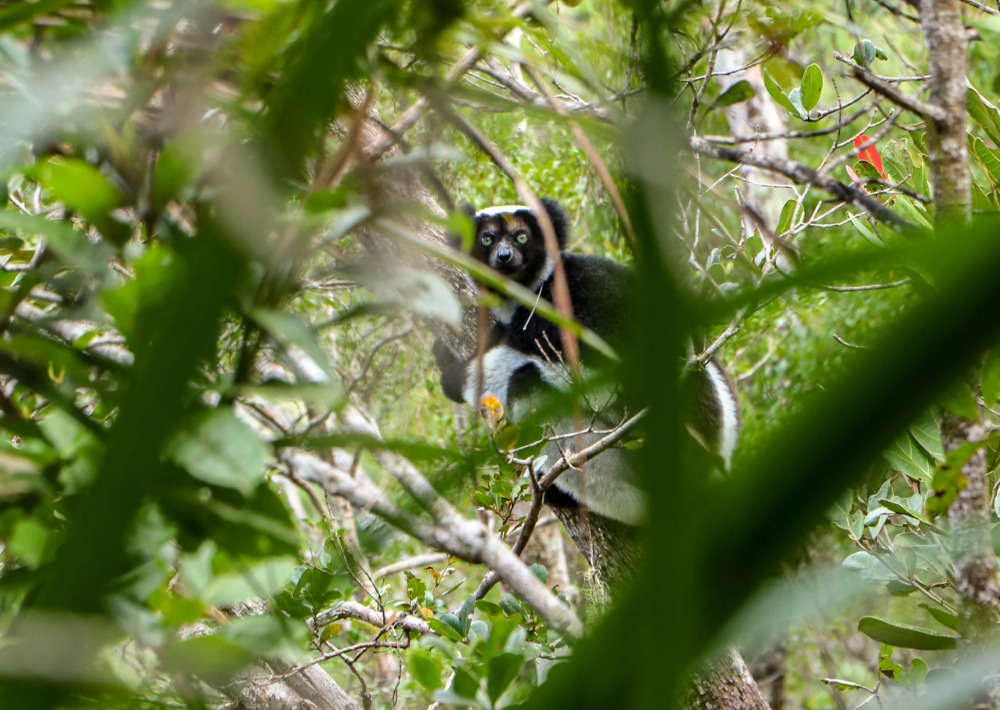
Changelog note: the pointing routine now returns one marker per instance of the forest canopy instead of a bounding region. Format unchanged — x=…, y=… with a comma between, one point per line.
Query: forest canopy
x=234, y=244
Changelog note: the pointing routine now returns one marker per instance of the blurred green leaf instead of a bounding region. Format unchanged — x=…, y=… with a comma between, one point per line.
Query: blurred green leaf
x=259, y=579
x=989, y=378
x=209, y=657
x=735, y=93
x=785, y=220
x=426, y=670
x=322, y=58
x=22, y=12
x=903, y=635
x=500, y=673
x=84, y=189
x=216, y=447
x=941, y=616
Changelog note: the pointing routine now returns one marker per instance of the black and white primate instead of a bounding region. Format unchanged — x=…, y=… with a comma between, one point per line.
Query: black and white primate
x=522, y=360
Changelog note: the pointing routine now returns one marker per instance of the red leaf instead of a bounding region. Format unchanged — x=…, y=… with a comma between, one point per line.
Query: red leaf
x=870, y=155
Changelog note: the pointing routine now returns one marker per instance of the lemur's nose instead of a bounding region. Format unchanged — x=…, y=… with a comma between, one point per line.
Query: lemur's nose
x=504, y=254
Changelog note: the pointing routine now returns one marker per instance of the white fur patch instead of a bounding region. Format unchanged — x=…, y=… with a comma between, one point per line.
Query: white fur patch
x=499, y=365
x=544, y=275
x=730, y=412
x=501, y=209
x=504, y=313
x=604, y=484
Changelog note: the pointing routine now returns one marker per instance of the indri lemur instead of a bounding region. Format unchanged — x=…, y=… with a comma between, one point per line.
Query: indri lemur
x=523, y=357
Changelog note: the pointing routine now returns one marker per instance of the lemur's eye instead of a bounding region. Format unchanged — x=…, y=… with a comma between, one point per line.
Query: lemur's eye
x=521, y=237
x=486, y=240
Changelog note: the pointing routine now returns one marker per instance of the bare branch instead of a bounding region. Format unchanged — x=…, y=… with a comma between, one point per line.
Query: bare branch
x=454, y=534
x=799, y=173
x=373, y=617
x=883, y=87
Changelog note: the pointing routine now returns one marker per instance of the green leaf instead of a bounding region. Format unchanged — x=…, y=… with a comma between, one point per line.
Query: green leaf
x=450, y=698
x=22, y=12
x=735, y=93
x=869, y=566
x=500, y=673
x=904, y=636
x=463, y=615
x=70, y=245
x=844, y=684
x=216, y=447
x=909, y=459
x=860, y=223
x=421, y=292
x=464, y=683
x=776, y=92
x=454, y=622
x=210, y=657
x=785, y=220
x=927, y=432
x=179, y=164
x=960, y=400
x=865, y=52
x=261, y=579
x=989, y=378
x=886, y=666
x=945, y=618
x=81, y=187
x=446, y=628
x=426, y=670
x=292, y=332
x=510, y=604
x=984, y=114
x=320, y=61
x=901, y=509
x=987, y=157
x=812, y=86
x=28, y=540
x=795, y=98
x=539, y=571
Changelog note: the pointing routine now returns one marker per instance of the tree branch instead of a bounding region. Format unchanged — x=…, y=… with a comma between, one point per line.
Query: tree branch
x=800, y=174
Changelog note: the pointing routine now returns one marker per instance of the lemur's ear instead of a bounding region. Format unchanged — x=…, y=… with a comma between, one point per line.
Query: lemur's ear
x=462, y=227
x=560, y=222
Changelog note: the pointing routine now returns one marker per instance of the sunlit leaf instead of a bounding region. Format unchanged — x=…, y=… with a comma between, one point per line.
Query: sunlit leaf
x=812, y=86
x=777, y=93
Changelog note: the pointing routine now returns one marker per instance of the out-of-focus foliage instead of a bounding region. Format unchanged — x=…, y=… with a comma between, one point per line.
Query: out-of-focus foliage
x=189, y=293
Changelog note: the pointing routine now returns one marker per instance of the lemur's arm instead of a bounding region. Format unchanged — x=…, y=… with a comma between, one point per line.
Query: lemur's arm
x=453, y=370
x=456, y=372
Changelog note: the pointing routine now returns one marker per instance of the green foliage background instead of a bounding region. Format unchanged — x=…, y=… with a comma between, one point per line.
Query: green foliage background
x=187, y=296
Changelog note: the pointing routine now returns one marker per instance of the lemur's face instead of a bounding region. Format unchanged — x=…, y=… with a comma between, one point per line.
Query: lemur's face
x=509, y=240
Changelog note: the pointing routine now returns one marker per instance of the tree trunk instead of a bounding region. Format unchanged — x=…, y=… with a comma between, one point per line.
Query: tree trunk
x=974, y=562
x=947, y=142
x=614, y=554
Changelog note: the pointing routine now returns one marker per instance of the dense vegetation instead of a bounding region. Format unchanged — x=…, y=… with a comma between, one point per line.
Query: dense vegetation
x=226, y=462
